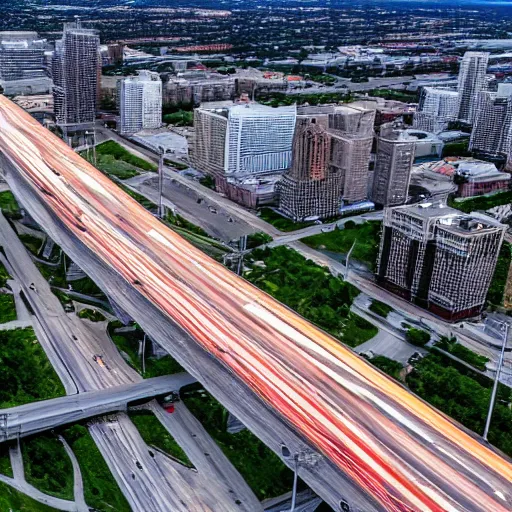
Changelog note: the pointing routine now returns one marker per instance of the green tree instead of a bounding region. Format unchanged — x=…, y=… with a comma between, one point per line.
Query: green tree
x=417, y=337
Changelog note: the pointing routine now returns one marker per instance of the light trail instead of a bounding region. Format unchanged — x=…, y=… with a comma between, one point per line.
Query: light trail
x=402, y=452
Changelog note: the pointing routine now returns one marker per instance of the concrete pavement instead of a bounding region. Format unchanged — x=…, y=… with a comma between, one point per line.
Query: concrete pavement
x=153, y=482
x=204, y=453
x=35, y=417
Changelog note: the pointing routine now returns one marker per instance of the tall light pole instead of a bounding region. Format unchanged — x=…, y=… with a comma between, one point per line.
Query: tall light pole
x=307, y=459
x=347, y=262
x=504, y=329
x=160, y=212
x=295, y=480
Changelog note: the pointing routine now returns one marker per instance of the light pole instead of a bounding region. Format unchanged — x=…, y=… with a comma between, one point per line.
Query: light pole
x=504, y=329
x=162, y=152
x=295, y=480
x=308, y=459
x=347, y=263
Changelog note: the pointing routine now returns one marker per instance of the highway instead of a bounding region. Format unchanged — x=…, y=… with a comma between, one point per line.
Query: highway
x=403, y=454
x=35, y=417
x=70, y=345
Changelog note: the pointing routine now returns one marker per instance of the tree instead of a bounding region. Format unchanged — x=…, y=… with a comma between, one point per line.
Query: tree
x=303, y=54
x=417, y=337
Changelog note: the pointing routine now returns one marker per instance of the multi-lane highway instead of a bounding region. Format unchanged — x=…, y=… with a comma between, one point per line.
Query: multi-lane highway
x=403, y=454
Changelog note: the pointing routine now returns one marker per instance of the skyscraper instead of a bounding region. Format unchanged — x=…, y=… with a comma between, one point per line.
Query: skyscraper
x=436, y=108
x=312, y=187
x=439, y=258
x=241, y=141
x=351, y=130
x=140, y=102
x=472, y=80
x=395, y=156
x=492, y=130
x=76, y=65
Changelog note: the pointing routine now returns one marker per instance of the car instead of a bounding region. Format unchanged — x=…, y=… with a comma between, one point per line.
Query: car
x=98, y=359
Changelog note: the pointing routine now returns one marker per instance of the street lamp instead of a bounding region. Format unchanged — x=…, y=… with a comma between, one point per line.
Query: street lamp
x=308, y=459
x=162, y=152
x=504, y=329
x=347, y=262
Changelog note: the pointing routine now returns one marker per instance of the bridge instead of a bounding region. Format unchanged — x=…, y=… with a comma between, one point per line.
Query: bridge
x=358, y=438
x=29, y=419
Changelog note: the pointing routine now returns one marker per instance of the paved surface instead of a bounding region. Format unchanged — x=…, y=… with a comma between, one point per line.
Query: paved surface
x=19, y=483
x=286, y=239
x=152, y=481
x=78, y=484
x=36, y=417
x=387, y=344
x=204, y=453
x=71, y=345
x=400, y=452
x=306, y=501
x=215, y=220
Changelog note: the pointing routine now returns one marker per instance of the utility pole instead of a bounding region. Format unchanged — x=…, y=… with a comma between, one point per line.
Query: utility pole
x=504, y=329
x=242, y=246
x=347, y=263
x=295, y=479
x=143, y=355
x=160, y=212
x=94, y=146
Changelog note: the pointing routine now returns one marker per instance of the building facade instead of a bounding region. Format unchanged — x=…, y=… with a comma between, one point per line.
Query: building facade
x=492, y=130
x=313, y=187
x=243, y=141
x=22, y=63
x=393, y=166
x=472, y=80
x=140, y=102
x=76, y=67
x=439, y=258
x=351, y=131
x=436, y=108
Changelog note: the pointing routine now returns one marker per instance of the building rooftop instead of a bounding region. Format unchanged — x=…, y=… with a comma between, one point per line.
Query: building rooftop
x=452, y=219
x=419, y=136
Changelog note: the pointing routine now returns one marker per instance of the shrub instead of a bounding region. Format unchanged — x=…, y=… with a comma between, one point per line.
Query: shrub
x=417, y=337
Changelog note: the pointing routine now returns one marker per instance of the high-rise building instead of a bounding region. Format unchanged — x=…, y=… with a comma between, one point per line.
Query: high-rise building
x=140, y=102
x=395, y=156
x=76, y=67
x=351, y=130
x=242, y=141
x=439, y=258
x=436, y=108
x=472, y=80
x=22, y=63
x=313, y=187
x=492, y=130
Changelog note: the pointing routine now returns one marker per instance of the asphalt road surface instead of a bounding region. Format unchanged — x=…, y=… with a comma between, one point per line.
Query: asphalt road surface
x=35, y=417
x=403, y=453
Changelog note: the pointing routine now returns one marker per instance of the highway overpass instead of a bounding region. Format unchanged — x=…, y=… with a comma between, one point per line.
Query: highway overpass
x=359, y=438
x=29, y=419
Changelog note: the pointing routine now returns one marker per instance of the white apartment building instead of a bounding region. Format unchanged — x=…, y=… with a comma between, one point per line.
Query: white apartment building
x=492, y=129
x=472, y=80
x=259, y=139
x=437, y=107
x=242, y=141
x=140, y=102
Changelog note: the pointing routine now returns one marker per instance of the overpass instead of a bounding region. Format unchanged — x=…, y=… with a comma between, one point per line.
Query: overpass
x=359, y=439
x=29, y=419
